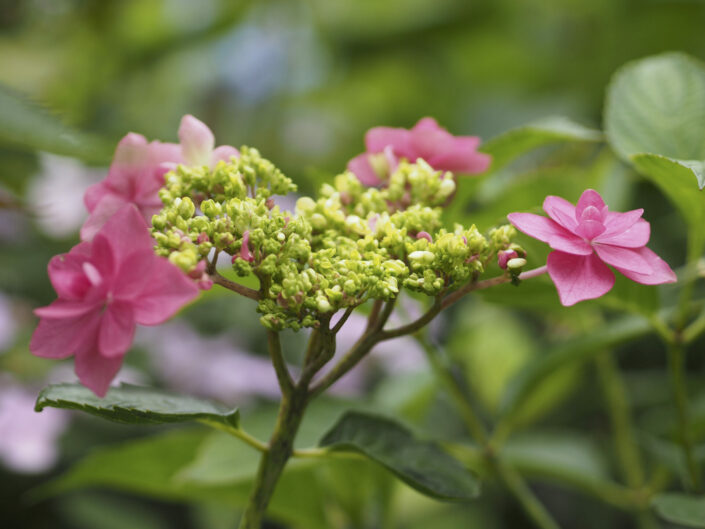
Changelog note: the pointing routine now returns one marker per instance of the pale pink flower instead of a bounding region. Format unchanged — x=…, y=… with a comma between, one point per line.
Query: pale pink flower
x=104, y=288
x=138, y=170
x=135, y=176
x=198, y=144
x=426, y=140
x=586, y=238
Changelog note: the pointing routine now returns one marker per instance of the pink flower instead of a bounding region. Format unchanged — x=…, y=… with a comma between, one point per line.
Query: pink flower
x=104, y=288
x=586, y=238
x=504, y=256
x=135, y=176
x=427, y=140
x=198, y=144
x=138, y=170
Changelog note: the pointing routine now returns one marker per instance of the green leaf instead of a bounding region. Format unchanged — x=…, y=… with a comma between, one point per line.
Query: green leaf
x=679, y=508
x=556, y=129
x=675, y=179
x=136, y=405
x=28, y=126
x=571, y=352
x=655, y=120
x=420, y=464
x=657, y=105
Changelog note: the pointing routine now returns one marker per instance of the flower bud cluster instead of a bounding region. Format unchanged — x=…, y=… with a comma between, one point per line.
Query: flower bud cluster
x=351, y=244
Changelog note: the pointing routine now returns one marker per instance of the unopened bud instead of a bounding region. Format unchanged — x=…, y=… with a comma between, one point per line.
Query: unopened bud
x=504, y=256
x=516, y=264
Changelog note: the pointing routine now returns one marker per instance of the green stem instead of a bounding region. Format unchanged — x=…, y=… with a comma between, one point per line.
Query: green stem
x=510, y=477
x=676, y=357
x=279, y=451
x=619, y=411
x=521, y=491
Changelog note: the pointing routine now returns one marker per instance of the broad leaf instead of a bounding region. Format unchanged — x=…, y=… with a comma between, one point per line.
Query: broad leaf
x=556, y=129
x=30, y=127
x=420, y=464
x=679, y=508
x=655, y=119
x=572, y=352
x=136, y=405
x=675, y=180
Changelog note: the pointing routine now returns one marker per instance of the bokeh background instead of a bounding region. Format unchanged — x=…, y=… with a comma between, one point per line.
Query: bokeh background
x=302, y=81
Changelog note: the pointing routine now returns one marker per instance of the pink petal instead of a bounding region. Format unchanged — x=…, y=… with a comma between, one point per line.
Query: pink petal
x=117, y=330
x=245, y=253
x=102, y=258
x=578, y=278
x=635, y=237
x=378, y=138
x=66, y=272
x=93, y=195
x=660, y=271
x=548, y=231
x=131, y=155
x=427, y=123
x=590, y=197
x=134, y=275
x=127, y=232
x=60, y=338
x=562, y=211
x=197, y=141
x=224, y=153
x=623, y=258
x=164, y=154
x=94, y=370
x=168, y=291
x=361, y=168
x=108, y=205
x=62, y=309
x=429, y=144
x=462, y=157
x=626, y=229
x=589, y=229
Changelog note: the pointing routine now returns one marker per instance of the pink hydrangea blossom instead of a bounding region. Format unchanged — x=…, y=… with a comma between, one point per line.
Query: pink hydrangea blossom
x=138, y=170
x=426, y=140
x=588, y=237
x=104, y=288
x=198, y=144
x=135, y=176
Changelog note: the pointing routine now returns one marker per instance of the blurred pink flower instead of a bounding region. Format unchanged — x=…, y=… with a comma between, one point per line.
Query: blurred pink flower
x=198, y=144
x=426, y=140
x=105, y=287
x=135, y=176
x=28, y=440
x=586, y=238
x=138, y=170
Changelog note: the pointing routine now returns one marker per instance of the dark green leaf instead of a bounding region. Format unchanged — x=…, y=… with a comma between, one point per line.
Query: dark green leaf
x=557, y=129
x=421, y=464
x=30, y=127
x=136, y=405
x=572, y=352
x=679, y=508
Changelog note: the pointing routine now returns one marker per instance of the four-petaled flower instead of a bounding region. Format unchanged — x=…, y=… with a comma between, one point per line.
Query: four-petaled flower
x=138, y=170
x=104, y=288
x=426, y=140
x=585, y=239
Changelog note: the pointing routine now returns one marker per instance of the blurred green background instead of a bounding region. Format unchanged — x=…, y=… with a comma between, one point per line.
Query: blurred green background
x=302, y=81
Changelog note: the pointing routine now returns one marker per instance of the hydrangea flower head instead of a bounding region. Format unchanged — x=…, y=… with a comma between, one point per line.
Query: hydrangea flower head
x=426, y=140
x=105, y=287
x=586, y=238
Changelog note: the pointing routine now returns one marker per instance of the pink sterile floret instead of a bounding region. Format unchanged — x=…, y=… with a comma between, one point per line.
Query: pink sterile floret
x=426, y=140
x=104, y=288
x=138, y=170
x=585, y=239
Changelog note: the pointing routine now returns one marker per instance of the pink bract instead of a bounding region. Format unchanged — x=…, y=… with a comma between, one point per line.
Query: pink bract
x=586, y=238
x=138, y=170
x=426, y=140
x=105, y=287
